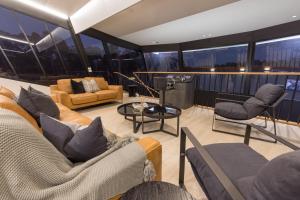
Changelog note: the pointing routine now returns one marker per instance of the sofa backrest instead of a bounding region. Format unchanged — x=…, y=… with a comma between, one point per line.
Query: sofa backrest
x=10, y=104
x=65, y=84
x=6, y=92
x=102, y=83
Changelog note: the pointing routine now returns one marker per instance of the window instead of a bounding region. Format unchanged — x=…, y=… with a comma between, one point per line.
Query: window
x=162, y=61
x=125, y=60
x=66, y=46
x=228, y=58
x=38, y=34
x=278, y=55
x=16, y=47
x=95, y=53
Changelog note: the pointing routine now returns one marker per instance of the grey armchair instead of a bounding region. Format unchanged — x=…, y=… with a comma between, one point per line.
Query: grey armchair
x=267, y=97
x=236, y=171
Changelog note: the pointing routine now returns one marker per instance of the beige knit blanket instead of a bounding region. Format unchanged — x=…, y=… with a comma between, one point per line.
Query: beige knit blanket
x=31, y=168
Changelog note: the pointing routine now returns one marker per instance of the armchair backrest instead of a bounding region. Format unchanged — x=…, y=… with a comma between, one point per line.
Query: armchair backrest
x=269, y=93
x=266, y=96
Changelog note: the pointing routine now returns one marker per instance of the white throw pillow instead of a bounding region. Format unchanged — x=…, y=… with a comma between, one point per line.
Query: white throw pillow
x=90, y=85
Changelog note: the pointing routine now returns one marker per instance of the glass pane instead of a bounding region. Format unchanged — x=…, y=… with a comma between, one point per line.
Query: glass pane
x=16, y=47
x=5, y=70
x=37, y=33
x=278, y=55
x=162, y=61
x=229, y=58
x=95, y=53
x=125, y=60
x=65, y=43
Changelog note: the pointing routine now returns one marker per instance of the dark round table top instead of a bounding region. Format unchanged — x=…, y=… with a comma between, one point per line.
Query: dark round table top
x=128, y=110
x=162, y=112
x=156, y=190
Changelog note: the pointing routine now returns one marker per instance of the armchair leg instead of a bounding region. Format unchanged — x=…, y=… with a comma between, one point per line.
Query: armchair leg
x=236, y=134
x=182, y=159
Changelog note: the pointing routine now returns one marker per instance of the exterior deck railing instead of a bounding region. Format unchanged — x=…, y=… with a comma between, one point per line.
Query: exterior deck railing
x=209, y=85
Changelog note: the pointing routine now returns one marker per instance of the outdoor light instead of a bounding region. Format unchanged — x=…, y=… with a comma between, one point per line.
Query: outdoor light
x=212, y=69
x=242, y=69
x=267, y=68
x=156, y=53
x=43, y=8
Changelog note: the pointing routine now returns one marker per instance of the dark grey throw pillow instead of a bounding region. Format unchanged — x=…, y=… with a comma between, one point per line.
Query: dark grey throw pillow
x=77, y=87
x=80, y=146
x=36, y=102
x=87, y=143
x=56, y=132
x=279, y=179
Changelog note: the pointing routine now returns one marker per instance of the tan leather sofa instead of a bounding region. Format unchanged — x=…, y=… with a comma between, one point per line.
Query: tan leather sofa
x=64, y=94
x=151, y=146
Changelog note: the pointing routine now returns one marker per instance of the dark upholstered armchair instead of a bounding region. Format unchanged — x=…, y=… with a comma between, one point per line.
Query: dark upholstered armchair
x=235, y=171
x=267, y=97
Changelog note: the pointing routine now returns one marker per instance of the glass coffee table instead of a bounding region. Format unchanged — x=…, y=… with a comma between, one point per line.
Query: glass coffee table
x=131, y=113
x=161, y=113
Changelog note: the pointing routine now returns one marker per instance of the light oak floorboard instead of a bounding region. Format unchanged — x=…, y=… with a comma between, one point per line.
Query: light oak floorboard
x=199, y=121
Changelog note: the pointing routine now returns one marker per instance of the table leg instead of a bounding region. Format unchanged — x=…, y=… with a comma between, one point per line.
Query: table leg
x=177, y=126
x=134, y=124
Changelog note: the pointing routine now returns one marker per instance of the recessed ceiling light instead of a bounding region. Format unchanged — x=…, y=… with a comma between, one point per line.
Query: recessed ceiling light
x=15, y=40
x=294, y=16
x=43, y=8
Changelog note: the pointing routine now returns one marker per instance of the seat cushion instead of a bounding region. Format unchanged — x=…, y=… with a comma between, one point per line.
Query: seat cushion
x=106, y=94
x=235, y=159
x=83, y=98
x=269, y=93
x=254, y=107
x=67, y=115
x=231, y=110
x=279, y=179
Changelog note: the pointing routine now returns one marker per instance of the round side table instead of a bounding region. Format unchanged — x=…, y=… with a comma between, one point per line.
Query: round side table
x=157, y=190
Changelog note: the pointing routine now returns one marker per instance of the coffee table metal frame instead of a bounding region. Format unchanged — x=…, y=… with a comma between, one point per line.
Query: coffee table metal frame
x=161, y=117
x=133, y=116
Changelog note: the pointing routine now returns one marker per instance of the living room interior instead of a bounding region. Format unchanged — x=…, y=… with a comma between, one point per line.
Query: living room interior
x=149, y=99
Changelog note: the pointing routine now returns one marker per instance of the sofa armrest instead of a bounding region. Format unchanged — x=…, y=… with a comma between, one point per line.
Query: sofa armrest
x=153, y=151
x=119, y=89
x=62, y=97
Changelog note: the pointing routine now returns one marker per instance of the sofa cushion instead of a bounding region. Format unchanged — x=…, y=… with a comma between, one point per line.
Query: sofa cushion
x=90, y=85
x=235, y=159
x=87, y=142
x=56, y=132
x=106, y=94
x=254, y=107
x=269, y=93
x=103, y=85
x=83, y=98
x=8, y=93
x=77, y=87
x=12, y=105
x=36, y=102
x=231, y=110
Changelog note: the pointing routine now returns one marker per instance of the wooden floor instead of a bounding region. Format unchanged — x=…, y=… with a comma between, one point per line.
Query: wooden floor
x=199, y=121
